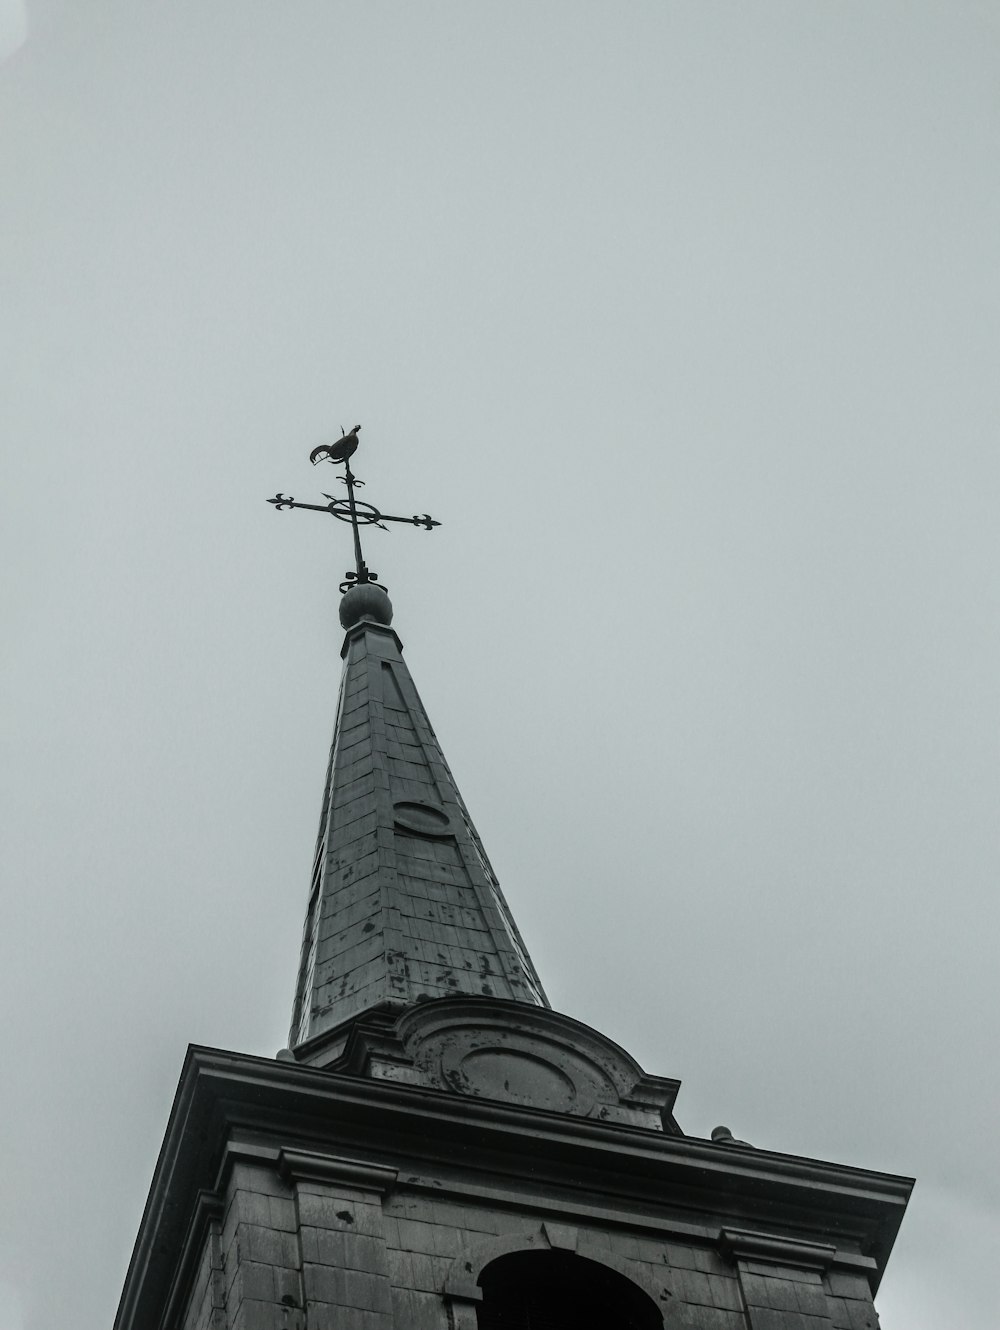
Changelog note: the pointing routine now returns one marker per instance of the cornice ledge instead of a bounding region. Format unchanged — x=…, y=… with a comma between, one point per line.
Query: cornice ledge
x=741, y=1242
x=240, y=1077
x=307, y=1166
x=368, y=625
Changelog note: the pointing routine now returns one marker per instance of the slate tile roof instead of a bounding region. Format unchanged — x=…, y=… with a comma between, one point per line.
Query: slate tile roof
x=404, y=904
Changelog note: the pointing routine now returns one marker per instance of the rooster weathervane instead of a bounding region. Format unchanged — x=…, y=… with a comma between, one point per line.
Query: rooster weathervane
x=351, y=509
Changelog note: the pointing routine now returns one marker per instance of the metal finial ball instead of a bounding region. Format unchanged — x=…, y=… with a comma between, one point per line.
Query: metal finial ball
x=365, y=601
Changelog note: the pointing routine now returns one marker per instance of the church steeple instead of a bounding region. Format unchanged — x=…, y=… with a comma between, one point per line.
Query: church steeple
x=403, y=904
x=439, y=1147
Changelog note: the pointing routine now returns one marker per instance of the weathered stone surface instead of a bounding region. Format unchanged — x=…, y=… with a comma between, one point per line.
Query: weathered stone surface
x=437, y=1128
x=517, y=1054
x=408, y=1252
x=404, y=905
x=358, y=1202
x=206, y=1298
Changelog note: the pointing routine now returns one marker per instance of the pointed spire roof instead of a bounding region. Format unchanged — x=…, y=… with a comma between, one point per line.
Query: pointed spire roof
x=403, y=903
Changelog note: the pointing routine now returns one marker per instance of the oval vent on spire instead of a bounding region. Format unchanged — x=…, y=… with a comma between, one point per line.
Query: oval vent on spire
x=424, y=819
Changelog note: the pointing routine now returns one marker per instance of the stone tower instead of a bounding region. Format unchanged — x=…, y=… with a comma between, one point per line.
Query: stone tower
x=438, y=1149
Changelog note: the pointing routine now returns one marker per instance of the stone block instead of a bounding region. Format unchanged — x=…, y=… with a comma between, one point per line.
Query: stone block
x=253, y=1280
x=401, y=1269
x=772, y=1270
x=428, y=1273
x=287, y=1287
x=252, y=1207
x=324, y=1283
x=777, y=1294
x=682, y=1257
x=419, y=1311
x=726, y=1293
x=367, y=1291
x=271, y=1246
x=847, y=1284
x=417, y=1236
x=267, y=1316
x=323, y=1317
x=282, y=1214
x=693, y=1286
x=812, y=1299
x=861, y=1315
x=690, y=1317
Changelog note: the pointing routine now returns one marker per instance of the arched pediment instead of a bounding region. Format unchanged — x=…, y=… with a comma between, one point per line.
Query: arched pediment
x=463, y=1289
x=532, y=1056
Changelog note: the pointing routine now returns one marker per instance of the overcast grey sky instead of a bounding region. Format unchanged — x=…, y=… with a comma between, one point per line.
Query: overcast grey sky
x=683, y=319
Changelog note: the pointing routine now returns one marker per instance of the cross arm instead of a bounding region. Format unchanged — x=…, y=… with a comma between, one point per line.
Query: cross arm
x=426, y=521
x=280, y=502
x=365, y=514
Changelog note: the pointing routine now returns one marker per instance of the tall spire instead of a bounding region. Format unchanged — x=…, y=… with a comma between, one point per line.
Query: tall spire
x=403, y=903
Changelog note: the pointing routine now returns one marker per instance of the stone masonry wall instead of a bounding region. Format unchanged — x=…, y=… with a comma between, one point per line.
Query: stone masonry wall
x=206, y=1300
x=328, y=1245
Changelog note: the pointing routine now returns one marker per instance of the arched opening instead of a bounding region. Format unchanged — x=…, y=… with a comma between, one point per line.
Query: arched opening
x=557, y=1290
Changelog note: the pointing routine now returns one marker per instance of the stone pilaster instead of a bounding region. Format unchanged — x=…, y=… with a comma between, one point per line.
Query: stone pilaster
x=260, y=1253
x=344, y=1262
x=788, y=1284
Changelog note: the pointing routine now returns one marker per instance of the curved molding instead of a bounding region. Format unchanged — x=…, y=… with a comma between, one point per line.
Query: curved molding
x=310, y=1166
x=741, y=1242
x=487, y=1048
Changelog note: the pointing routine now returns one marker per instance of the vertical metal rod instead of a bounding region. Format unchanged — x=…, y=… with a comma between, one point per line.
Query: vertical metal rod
x=359, y=561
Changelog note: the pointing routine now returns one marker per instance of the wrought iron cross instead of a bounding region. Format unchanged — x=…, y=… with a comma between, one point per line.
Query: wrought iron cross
x=351, y=509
